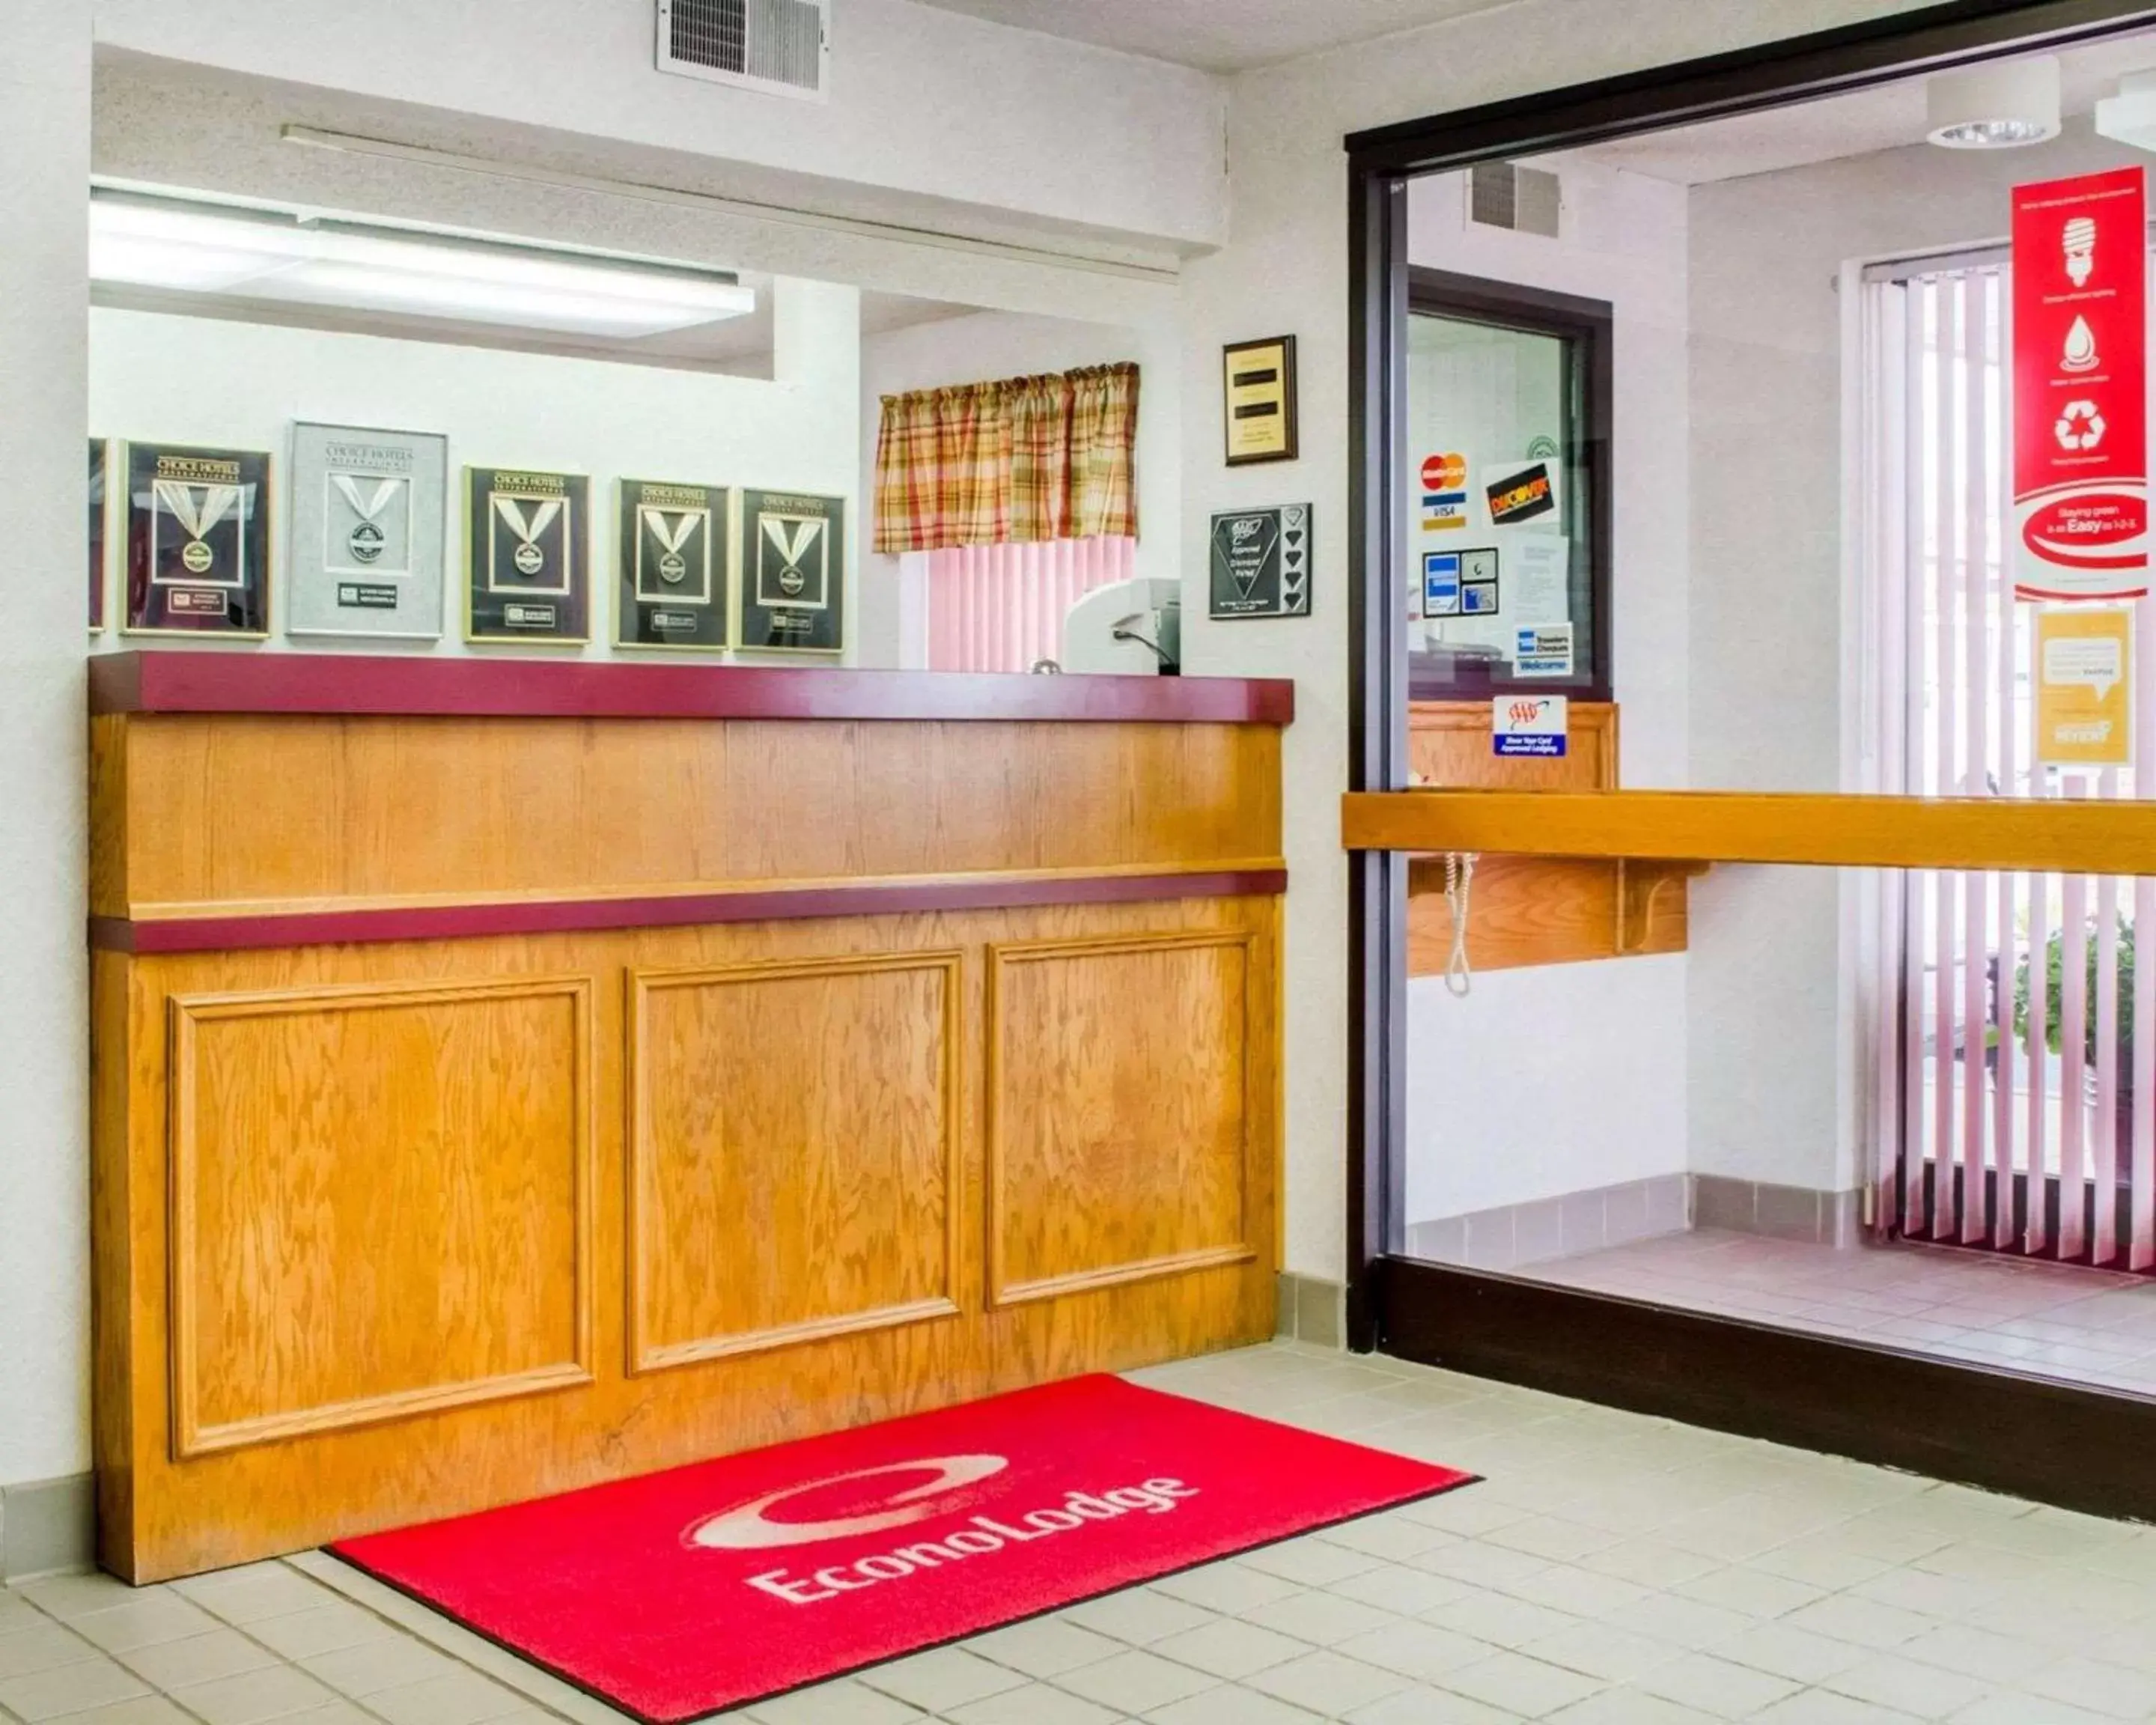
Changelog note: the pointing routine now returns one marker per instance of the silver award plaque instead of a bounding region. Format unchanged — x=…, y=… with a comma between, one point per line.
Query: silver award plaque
x=368, y=532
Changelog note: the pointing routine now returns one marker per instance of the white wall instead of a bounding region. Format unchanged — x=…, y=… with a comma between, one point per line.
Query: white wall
x=1000, y=344
x=1774, y=1042
x=974, y=119
x=240, y=385
x=45, y=1162
x=1524, y=1091
x=1285, y=268
x=1519, y=1092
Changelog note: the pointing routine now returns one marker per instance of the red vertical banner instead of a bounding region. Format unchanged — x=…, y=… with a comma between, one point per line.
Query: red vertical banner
x=2081, y=381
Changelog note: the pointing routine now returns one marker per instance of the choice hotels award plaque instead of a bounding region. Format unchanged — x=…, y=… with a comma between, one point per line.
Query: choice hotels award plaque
x=676, y=569
x=794, y=585
x=367, y=534
x=197, y=545
x=528, y=576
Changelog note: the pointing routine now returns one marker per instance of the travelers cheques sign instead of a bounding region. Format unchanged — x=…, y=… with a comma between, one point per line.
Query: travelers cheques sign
x=2081, y=420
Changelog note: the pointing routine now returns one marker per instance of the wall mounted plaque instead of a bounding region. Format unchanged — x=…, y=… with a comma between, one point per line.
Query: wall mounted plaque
x=793, y=573
x=1262, y=562
x=1259, y=379
x=675, y=573
x=367, y=532
x=527, y=568
x=197, y=545
x=100, y=529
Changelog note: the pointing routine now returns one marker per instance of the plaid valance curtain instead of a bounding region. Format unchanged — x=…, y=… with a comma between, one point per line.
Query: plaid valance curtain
x=1009, y=463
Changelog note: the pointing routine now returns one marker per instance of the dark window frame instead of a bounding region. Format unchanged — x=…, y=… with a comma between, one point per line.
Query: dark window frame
x=1590, y=324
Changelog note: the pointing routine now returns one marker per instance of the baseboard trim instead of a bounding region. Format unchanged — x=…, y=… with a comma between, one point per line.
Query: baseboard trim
x=48, y=1527
x=1310, y=1308
x=1798, y=1212
x=1510, y=1236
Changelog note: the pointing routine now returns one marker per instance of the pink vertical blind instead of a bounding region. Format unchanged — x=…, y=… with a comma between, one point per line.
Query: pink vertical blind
x=2014, y=1068
x=1000, y=607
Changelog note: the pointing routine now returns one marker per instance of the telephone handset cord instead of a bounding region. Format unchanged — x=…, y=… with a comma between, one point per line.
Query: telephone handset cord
x=1458, y=881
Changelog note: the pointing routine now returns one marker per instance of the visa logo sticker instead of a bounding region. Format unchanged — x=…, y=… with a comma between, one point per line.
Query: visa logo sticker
x=1442, y=510
x=1534, y=725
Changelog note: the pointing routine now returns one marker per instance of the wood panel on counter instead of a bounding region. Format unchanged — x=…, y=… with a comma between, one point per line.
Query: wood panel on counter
x=1533, y=910
x=392, y=1229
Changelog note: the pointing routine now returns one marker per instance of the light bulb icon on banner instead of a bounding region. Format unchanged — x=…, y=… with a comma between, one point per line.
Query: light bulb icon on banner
x=2080, y=242
x=2080, y=355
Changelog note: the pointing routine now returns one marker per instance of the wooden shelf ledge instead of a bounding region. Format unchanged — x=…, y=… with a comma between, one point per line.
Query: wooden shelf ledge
x=1826, y=831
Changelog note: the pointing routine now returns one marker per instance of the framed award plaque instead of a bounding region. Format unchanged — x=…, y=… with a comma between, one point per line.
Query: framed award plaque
x=198, y=541
x=793, y=593
x=675, y=570
x=527, y=568
x=1258, y=380
x=367, y=538
x=100, y=529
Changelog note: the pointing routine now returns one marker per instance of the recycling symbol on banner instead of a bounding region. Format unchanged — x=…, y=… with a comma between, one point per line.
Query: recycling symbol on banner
x=2080, y=426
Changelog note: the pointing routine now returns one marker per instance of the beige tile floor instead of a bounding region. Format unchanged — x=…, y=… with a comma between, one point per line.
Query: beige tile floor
x=2096, y=1326
x=1612, y=1570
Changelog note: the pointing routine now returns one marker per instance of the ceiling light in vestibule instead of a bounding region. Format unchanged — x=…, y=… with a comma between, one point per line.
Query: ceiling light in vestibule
x=2002, y=104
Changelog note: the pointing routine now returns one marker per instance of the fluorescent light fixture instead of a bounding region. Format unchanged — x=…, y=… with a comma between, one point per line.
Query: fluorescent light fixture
x=2003, y=105
x=211, y=249
x=2129, y=117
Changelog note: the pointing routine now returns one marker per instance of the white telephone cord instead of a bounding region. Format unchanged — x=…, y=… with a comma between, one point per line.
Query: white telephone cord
x=1458, y=881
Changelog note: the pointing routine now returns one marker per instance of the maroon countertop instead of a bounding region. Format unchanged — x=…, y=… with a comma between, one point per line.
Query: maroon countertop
x=340, y=683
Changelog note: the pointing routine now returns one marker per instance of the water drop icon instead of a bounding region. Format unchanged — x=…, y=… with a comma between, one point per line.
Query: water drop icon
x=2081, y=354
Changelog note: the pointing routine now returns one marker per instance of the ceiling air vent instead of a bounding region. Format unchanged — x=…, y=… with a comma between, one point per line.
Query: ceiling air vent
x=1502, y=194
x=781, y=46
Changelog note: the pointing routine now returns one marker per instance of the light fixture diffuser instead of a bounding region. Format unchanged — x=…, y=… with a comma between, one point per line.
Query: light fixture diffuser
x=2003, y=105
x=205, y=249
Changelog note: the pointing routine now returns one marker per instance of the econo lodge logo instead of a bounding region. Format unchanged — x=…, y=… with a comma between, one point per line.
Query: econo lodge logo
x=753, y=1527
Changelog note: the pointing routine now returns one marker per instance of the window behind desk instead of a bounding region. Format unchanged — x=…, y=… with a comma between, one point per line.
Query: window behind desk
x=1508, y=451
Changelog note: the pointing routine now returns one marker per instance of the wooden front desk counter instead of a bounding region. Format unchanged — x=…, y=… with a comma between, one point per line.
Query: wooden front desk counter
x=510, y=1076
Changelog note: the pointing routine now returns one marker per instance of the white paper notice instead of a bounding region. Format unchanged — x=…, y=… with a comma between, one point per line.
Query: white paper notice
x=1540, y=566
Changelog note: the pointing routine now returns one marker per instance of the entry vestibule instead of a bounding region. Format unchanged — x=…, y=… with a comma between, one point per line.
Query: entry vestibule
x=1840, y=1103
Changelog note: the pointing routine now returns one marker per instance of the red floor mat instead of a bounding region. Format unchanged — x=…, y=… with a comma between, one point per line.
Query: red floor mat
x=713, y=1586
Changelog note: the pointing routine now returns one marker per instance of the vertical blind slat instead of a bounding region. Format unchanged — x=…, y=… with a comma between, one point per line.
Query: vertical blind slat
x=1000, y=607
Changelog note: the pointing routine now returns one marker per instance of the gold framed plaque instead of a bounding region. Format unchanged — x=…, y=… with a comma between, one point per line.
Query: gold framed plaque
x=1257, y=381
x=196, y=554
x=674, y=573
x=527, y=562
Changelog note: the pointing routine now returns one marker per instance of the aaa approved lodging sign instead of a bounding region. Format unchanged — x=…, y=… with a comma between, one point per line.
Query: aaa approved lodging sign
x=2080, y=419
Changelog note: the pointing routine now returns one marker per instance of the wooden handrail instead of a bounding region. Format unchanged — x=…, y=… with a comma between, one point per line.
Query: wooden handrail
x=2042, y=836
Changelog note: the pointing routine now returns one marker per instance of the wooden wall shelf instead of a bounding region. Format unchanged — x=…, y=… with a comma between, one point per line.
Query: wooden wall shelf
x=1527, y=909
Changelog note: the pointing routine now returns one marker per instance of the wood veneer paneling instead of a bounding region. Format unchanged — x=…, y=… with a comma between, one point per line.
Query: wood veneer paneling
x=164, y=1514
x=1449, y=744
x=1119, y=1111
x=379, y=1203
x=1540, y=909
x=794, y=1148
x=264, y=814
